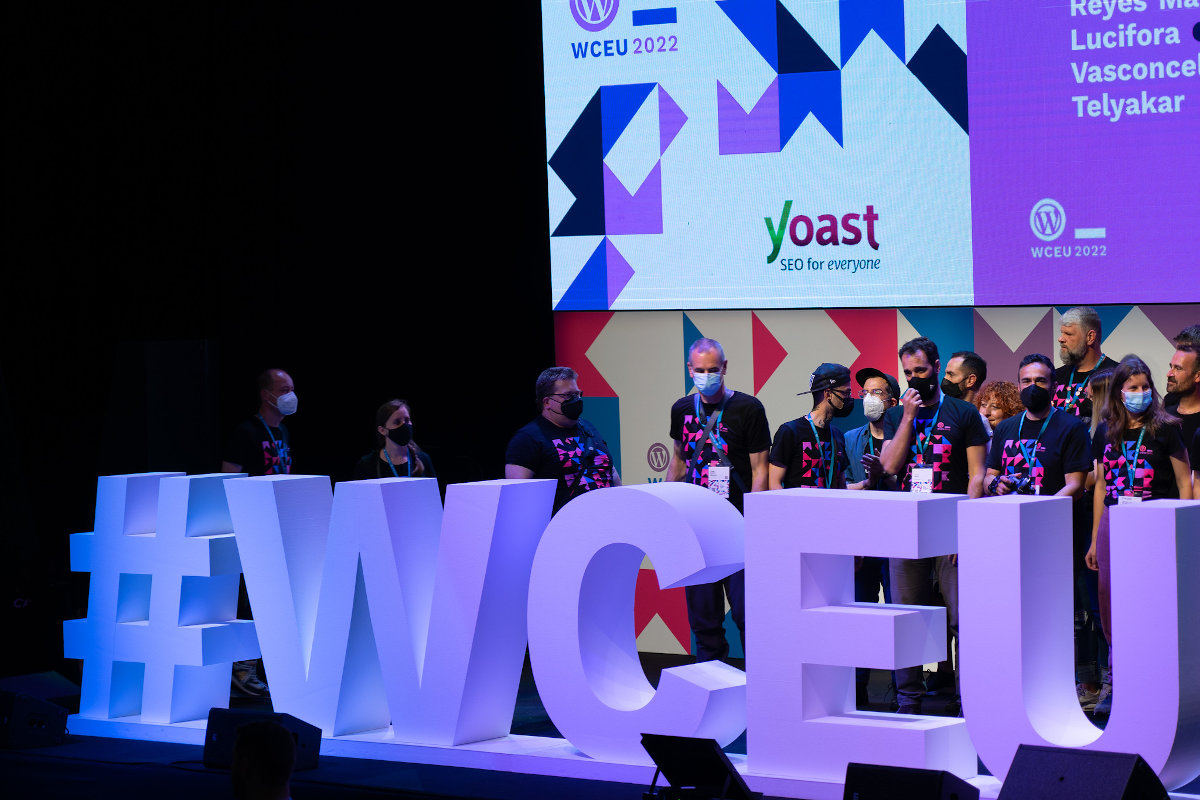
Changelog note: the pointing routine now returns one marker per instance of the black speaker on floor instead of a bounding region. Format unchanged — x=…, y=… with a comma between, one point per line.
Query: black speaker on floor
x=875, y=782
x=223, y=724
x=1064, y=773
x=27, y=721
x=697, y=769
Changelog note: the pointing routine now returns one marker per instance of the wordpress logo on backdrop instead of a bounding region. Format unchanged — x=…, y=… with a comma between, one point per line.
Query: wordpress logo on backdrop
x=1047, y=220
x=594, y=15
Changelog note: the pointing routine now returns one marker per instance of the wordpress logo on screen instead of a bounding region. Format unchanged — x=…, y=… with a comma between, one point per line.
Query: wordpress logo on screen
x=1047, y=220
x=594, y=15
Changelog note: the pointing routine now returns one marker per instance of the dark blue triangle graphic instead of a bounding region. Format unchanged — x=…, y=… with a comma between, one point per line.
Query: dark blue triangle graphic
x=690, y=334
x=798, y=52
x=578, y=162
x=589, y=290
x=618, y=104
x=756, y=20
x=941, y=67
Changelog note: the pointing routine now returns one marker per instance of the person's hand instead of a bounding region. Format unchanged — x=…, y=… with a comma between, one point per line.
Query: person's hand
x=1005, y=485
x=910, y=401
x=1090, y=559
x=873, y=468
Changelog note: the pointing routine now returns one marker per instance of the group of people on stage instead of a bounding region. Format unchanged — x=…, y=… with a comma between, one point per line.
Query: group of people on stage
x=1095, y=429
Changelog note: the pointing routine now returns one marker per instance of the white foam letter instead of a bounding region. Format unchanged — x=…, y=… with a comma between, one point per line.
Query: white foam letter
x=581, y=634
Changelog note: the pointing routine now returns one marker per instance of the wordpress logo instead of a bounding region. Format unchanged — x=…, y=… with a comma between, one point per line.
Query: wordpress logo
x=1047, y=220
x=594, y=15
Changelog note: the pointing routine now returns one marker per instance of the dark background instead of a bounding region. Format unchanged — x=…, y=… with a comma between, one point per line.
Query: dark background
x=196, y=193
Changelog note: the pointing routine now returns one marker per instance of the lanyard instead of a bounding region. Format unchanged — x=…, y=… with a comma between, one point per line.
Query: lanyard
x=712, y=429
x=388, y=456
x=1074, y=392
x=1031, y=454
x=832, y=448
x=920, y=448
x=274, y=443
x=1131, y=464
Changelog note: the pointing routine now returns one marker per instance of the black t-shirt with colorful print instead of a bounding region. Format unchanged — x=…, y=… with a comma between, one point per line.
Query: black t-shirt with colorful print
x=1142, y=470
x=957, y=427
x=577, y=457
x=1069, y=395
x=741, y=429
x=808, y=459
x=1047, y=456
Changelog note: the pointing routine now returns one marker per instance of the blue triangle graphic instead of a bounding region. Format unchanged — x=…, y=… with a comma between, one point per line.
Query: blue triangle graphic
x=951, y=329
x=589, y=290
x=618, y=104
x=690, y=334
x=756, y=20
x=804, y=92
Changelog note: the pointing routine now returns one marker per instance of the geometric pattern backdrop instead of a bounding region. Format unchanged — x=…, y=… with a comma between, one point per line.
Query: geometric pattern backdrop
x=631, y=366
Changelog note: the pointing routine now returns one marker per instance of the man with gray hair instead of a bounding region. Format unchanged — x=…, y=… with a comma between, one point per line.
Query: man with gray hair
x=1079, y=346
x=721, y=441
x=560, y=444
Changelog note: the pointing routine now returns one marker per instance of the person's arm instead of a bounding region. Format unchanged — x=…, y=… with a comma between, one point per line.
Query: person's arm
x=616, y=477
x=229, y=466
x=1183, y=475
x=517, y=472
x=775, y=476
x=975, y=458
x=758, y=471
x=894, y=454
x=1097, y=510
x=678, y=467
x=1073, y=486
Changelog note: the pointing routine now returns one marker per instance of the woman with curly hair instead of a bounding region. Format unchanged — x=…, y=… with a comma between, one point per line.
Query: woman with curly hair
x=998, y=401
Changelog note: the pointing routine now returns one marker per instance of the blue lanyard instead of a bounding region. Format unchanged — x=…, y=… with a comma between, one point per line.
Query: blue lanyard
x=1073, y=392
x=832, y=447
x=932, y=425
x=1031, y=454
x=274, y=442
x=388, y=456
x=1131, y=465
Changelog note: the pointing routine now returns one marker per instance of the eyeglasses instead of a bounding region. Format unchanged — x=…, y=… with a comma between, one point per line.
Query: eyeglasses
x=568, y=395
x=882, y=394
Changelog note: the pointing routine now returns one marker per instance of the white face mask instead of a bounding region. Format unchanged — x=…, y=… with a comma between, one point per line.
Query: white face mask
x=287, y=403
x=873, y=407
x=707, y=383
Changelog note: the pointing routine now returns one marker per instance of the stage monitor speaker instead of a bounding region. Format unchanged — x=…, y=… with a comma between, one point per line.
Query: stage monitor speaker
x=28, y=721
x=223, y=725
x=695, y=768
x=875, y=782
x=1065, y=773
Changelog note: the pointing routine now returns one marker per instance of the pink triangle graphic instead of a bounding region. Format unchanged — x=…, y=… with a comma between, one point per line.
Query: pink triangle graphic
x=619, y=271
x=640, y=212
x=768, y=353
x=670, y=119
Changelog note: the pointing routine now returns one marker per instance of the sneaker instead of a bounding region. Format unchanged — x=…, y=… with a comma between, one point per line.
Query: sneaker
x=1104, y=702
x=1087, y=697
x=245, y=680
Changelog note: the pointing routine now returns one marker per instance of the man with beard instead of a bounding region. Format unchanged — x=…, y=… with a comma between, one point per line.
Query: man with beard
x=1183, y=394
x=936, y=444
x=1079, y=346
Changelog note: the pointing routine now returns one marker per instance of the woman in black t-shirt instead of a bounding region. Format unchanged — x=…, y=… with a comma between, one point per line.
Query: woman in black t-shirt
x=397, y=455
x=1139, y=455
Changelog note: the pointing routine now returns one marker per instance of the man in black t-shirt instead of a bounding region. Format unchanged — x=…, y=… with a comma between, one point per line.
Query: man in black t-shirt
x=1041, y=451
x=1079, y=346
x=559, y=444
x=721, y=439
x=810, y=451
x=937, y=444
x=1183, y=394
x=261, y=445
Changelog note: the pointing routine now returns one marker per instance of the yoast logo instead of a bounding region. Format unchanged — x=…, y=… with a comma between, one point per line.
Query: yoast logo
x=1047, y=220
x=826, y=229
x=594, y=15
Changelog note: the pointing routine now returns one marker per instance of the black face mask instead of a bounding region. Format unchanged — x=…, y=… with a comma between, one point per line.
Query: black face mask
x=1035, y=398
x=571, y=409
x=401, y=435
x=926, y=387
x=949, y=388
x=846, y=410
